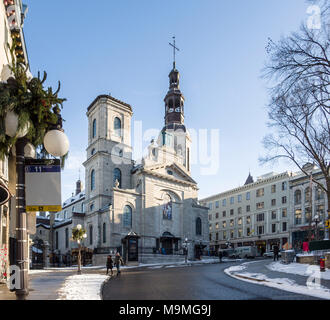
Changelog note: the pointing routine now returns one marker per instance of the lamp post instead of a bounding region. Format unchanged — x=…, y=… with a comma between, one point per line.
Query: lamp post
x=78, y=234
x=316, y=221
x=185, y=248
x=228, y=244
x=60, y=148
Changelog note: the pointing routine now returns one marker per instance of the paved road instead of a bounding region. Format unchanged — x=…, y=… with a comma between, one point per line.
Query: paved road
x=199, y=282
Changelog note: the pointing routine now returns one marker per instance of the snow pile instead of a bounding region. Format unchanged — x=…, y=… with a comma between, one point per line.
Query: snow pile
x=313, y=284
x=299, y=268
x=82, y=287
x=235, y=268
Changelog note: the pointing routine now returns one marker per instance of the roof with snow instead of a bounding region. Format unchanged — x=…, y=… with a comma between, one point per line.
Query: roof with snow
x=80, y=196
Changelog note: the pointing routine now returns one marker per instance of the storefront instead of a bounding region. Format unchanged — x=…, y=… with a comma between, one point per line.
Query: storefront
x=273, y=242
x=261, y=247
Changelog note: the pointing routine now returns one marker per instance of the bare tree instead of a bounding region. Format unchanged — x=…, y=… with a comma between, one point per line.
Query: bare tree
x=299, y=109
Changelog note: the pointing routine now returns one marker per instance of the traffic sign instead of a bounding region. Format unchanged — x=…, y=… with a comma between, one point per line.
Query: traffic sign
x=327, y=224
x=43, y=185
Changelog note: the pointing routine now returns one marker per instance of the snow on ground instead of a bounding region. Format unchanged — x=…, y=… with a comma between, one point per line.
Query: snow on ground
x=102, y=268
x=312, y=288
x=82, y=287
x=299, y=268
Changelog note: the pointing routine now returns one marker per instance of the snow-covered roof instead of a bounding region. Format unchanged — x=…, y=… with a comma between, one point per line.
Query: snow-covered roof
x=74, y=199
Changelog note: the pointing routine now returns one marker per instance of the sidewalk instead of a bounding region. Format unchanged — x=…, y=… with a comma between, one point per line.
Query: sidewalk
x=303, y=279
x=42, y=286
x=65, y=284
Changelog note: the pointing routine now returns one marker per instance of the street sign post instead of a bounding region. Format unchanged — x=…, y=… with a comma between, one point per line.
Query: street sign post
x=43, y=185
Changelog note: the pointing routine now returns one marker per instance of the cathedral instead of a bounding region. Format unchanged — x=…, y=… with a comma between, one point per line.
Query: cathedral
x=148, y=212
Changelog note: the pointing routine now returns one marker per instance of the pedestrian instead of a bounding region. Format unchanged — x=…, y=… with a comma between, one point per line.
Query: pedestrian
x=220, y=255
x=109, y=264
x=276, y=251
x=118, y=261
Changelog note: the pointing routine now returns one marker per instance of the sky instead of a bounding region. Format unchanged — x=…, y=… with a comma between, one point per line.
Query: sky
x=122, y=48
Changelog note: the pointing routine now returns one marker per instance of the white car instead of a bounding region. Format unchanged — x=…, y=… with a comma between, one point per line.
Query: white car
x=270, y=254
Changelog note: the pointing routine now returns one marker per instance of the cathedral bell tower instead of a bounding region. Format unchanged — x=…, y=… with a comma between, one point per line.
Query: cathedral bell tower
x=174, y=101
x=174, y=133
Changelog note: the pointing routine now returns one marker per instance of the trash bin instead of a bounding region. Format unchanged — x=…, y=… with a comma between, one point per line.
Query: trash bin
x=287, y=256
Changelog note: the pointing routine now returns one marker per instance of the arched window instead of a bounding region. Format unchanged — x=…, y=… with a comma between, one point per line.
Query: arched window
x=94, y=129
x=127, y=219
x=198, y=226
x=66, y=238
x=104, y=233
x=90, y=235
x=307, y=194
x=297, y=197
x=93, y=180
x=319, y=194
x=117, y=127
x=93, y=152
x=117, y=176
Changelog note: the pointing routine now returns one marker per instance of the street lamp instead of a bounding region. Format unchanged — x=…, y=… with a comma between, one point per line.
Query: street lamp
x=228, y=244
x=78, y=234
x=25, y=149
x=29, y=111
x=185, y=249
x=316, y=221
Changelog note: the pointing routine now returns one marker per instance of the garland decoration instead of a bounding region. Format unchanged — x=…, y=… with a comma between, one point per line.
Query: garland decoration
x=36, y=107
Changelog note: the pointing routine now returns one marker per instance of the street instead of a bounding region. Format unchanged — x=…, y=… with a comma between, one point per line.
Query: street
x=198, y=282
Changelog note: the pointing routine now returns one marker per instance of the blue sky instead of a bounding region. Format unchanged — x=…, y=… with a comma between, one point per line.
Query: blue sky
x=121, y=47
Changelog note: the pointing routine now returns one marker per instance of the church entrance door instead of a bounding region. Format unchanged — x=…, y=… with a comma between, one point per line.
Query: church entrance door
x=167, y=246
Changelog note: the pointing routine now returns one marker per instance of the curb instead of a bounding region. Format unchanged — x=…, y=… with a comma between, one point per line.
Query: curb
x=102, y=286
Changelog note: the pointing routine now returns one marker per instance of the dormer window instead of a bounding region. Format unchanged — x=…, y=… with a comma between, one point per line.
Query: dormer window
x=93, y=152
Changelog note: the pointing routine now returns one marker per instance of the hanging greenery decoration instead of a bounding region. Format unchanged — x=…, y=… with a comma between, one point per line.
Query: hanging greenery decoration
x=37, y=108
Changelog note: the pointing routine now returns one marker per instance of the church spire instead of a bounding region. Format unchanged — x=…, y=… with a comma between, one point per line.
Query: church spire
x=174, y=100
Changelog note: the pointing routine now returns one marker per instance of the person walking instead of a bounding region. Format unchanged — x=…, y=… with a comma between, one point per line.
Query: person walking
x=220, y=255
x=276, y=251
x=118, y=261
x=109, y=264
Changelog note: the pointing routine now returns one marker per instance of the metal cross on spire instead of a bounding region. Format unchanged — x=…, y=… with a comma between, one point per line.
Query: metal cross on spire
x=174, y=48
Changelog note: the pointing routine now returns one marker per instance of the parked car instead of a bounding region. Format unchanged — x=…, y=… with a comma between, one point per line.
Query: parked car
x=246, y=252
x=270, y=254
x=229, y=253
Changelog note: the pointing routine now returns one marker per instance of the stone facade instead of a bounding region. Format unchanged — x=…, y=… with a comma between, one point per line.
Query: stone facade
x=146, y=209
x=255, y=214
x=305, y=205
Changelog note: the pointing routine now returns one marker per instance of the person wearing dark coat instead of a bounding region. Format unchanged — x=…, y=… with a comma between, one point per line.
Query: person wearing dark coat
x=220, y=255
x=276, y=251
x=109, y=264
